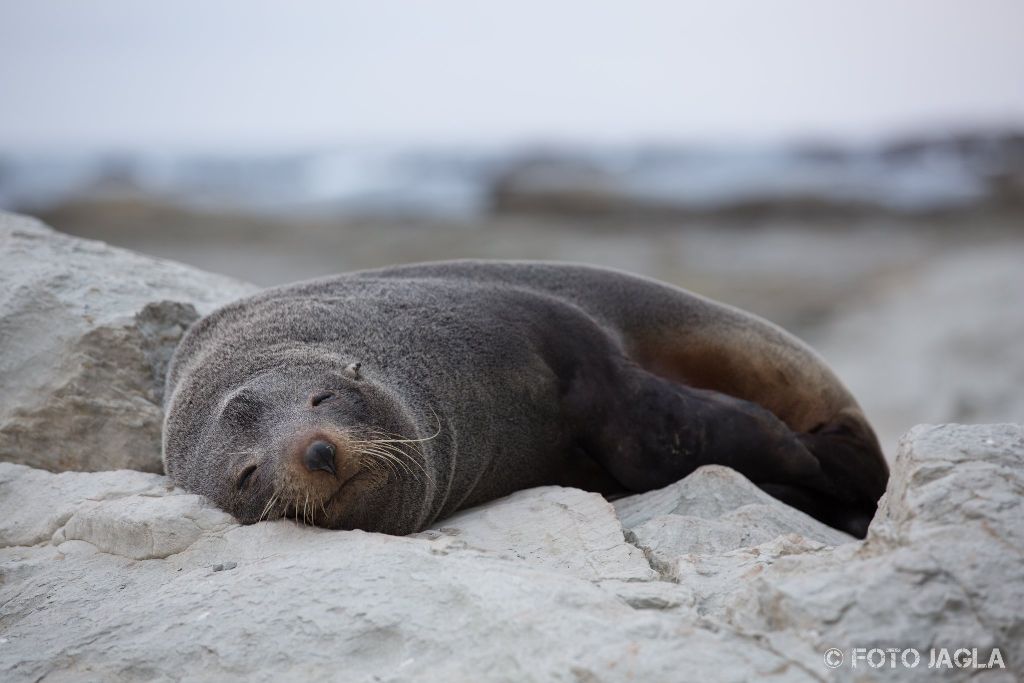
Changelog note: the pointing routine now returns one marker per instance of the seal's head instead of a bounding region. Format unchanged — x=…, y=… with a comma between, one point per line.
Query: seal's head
x=299, y=435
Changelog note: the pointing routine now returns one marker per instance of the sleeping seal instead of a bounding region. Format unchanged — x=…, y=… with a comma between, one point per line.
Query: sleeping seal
x=384, y=400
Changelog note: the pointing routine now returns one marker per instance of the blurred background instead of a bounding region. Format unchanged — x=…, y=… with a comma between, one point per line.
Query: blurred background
x=851, y=171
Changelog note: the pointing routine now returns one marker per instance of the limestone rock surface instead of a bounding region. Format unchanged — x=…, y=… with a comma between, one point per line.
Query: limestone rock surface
x=117, y=576
x=86, y=333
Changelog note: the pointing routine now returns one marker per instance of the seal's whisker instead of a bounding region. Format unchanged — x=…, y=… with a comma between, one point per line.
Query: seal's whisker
x=398, y=438
x=381, y=461
x=269, y=506
x=394, y=438
x=385, y=453
x=379, y=437
x=398, y=448
x=415, y=461
x=391, y=456
x=371, y=458
x=371, y=465
x=379, y=471
x=390, y=460
x=397, y=451
x=405, y=457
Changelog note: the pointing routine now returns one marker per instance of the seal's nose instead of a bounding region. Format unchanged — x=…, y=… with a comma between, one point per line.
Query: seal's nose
x=320, y=456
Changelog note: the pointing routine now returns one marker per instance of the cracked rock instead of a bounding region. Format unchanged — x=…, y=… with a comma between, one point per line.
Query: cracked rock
x=537, y=586
x=552, y=527
x=714, y=510
x=142, y=527
x=87, y=331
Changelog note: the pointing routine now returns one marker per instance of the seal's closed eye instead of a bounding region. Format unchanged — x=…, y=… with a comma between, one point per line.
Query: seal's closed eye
x=317, y=399
x=243, y=478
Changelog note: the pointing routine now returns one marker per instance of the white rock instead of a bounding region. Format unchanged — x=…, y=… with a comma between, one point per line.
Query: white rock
x=144, y=528
x=943, y=564
x=279, y=600
x=713, y=510
x=552, y=527
x=131, y=580
x=939, y=343
x=86, y=332
x=34, y=504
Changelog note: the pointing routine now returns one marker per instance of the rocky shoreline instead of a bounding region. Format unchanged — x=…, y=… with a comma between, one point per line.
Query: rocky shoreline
x=116, y=576
x=110, y=573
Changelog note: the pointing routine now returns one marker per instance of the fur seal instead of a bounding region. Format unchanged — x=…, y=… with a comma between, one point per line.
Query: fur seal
x=387, y=399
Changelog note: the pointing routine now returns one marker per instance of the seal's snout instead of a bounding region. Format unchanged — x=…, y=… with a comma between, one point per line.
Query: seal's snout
x=319, y=455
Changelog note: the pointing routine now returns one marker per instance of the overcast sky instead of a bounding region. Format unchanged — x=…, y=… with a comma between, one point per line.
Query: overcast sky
x=249, y=74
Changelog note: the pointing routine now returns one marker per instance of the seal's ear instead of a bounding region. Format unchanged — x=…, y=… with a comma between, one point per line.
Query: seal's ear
x=352, y=371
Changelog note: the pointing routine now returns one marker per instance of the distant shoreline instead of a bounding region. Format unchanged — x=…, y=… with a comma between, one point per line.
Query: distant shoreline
x=929, y=178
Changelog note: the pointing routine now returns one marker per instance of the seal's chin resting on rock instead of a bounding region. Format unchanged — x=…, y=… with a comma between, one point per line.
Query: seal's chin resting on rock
x=385, y=400
x=307, y=439
x=328, y=475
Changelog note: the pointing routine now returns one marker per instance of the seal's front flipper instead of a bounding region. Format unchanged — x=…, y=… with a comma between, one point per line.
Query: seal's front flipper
x=655, y=431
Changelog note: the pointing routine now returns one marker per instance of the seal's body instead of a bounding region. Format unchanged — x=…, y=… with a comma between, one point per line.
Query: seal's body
x=385, y=400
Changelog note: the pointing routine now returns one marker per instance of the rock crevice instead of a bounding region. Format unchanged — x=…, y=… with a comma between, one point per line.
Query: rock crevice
x=87, y=331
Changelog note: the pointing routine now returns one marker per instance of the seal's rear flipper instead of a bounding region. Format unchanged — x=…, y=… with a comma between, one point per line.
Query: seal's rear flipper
x=821, y=507
x=852, y=460
x=649, y=432
x=853, y=464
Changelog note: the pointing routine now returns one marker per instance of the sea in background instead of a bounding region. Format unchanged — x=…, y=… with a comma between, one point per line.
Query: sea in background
x=910, y=176
x=901, y=260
